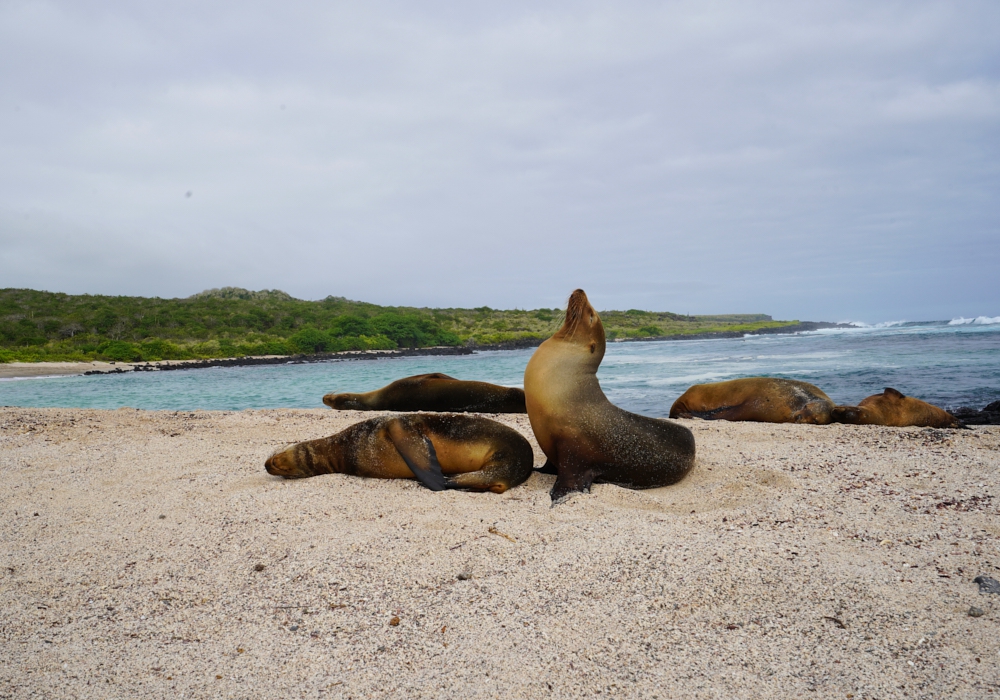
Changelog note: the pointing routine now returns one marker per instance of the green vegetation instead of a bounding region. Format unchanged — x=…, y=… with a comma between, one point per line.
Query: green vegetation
x=45, y=326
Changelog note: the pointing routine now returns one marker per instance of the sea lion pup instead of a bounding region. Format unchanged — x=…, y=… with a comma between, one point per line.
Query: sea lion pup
x=762, y=399
x=433, y=392
x=891, y=407
x=441, y=451
x=585, y=437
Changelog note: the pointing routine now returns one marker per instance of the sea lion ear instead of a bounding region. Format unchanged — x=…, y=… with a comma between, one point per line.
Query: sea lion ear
x=889, y=391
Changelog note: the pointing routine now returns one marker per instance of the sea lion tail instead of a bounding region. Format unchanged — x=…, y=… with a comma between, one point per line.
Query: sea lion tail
x=418, y=452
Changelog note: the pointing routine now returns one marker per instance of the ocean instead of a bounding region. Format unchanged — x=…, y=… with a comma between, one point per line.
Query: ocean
x=948, y=363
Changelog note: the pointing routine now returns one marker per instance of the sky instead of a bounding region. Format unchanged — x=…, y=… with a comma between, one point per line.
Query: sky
x=815, y=161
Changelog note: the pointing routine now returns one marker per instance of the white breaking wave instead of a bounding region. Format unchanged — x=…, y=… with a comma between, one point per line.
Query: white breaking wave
x=884, y=324
x=862, y=326
x=977, y=321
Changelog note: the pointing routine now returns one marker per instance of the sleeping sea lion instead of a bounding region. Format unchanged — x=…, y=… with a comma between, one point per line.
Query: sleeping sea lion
x=585, y=437
x=763, y=399
x=892, y=408
x=478, y=453
x=433, y=392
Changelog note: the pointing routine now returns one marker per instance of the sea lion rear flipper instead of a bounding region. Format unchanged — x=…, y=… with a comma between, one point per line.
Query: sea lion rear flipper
x=418, y=452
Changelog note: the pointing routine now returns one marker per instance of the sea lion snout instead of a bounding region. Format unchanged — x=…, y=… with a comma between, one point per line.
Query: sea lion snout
x=278, y=464
x=343, y=402
x=293, y=462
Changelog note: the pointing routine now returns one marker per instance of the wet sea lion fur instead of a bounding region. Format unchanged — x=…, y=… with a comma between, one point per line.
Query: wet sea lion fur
x=442, y=451
x=433, y=392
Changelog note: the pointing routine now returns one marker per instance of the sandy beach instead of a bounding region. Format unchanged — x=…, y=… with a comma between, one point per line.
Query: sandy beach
x=148, y=554
x=29, y=370
x=26, y=370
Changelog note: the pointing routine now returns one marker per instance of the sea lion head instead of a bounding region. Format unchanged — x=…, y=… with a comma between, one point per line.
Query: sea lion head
x=344, y=402
x=300, y=460
x=582, y=327
x=846, y=414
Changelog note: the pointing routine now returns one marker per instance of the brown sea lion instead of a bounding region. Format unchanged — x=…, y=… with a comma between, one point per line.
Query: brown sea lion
x=585, y=437
x=433, y=392
x=763, y=399
x=441, y=451
x=891, y=407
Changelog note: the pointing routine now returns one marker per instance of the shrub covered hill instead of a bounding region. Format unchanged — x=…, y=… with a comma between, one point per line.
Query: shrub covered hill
x=232, y=322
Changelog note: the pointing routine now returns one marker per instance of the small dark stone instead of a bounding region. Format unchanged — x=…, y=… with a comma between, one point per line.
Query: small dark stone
x=975, y=612
x=464, y=576
x=987, y=584
x=36, y=513
x=293, y=628
x=162, y=517
x=258, y=567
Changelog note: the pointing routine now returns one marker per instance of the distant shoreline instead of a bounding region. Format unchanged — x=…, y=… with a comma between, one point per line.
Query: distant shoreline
x=27, y=370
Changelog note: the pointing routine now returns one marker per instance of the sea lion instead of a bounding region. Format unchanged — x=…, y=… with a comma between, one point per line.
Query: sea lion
x=891, y=407
x=478, y=453
x=585, y=437
x=763, y=399
x=433, y=392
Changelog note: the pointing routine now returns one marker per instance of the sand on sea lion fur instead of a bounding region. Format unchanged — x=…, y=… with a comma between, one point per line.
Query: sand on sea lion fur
x=442, y=451
x=794, y=560
x=585, y=437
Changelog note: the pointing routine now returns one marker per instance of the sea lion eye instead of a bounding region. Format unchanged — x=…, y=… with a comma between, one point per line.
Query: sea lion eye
x=593, y=347
x=591, y=319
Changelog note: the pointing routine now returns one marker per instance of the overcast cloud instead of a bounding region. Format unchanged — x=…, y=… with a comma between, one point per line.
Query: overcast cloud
x=809, y=160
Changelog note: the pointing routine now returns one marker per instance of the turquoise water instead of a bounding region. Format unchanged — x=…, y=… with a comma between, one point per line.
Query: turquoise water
x=949, y=364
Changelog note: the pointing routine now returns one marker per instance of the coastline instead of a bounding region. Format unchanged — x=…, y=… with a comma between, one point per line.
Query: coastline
x=149, y=555
x=25, y=370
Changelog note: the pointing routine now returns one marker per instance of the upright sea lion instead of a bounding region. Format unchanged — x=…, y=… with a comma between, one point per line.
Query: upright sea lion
x=763, y=399
x=479, y=453
x=433, y=392
x=585, y=437
x=891, y=407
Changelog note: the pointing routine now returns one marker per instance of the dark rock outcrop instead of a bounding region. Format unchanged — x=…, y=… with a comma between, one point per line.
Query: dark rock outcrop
x=990, y=415
x=293, y=359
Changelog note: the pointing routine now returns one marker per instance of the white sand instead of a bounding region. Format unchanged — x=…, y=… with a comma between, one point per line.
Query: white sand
x=13, y=370
x=20, y=370
x=821, y=562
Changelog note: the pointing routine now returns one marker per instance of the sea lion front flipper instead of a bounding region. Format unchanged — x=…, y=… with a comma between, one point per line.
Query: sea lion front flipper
x=571, y=481
x=547, y=468
x=418, y=452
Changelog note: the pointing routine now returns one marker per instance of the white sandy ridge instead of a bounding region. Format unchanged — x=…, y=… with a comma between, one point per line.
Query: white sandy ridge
x=148, y=554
